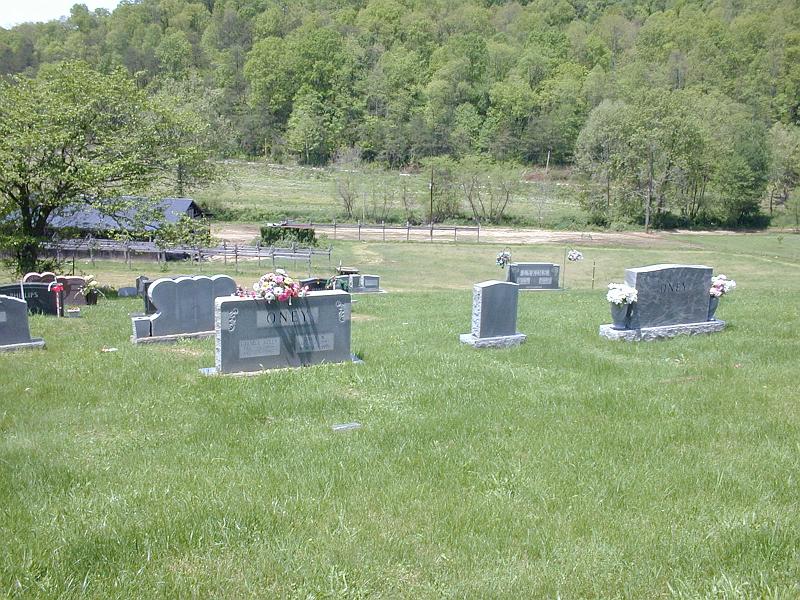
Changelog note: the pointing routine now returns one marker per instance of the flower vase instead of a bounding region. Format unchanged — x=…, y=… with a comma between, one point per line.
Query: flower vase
x=620, y=315
x=91, y=298
x=713, y=302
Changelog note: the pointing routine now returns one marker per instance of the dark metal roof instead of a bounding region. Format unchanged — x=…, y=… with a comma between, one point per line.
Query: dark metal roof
x=91, y=219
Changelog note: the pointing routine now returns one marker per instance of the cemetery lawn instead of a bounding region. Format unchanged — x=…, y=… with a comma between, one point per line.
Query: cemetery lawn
x=569, y=467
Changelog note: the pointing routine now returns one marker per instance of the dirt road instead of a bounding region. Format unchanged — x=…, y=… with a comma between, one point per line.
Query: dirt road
x=242, y=233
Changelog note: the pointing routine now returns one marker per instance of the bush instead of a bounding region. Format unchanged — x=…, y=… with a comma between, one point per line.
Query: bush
x=276, y=235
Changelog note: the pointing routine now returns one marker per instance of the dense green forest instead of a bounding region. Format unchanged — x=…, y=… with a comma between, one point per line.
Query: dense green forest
x=675, y=111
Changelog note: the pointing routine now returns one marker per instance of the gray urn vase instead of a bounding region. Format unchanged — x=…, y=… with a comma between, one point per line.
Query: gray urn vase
x=620, y=316
x=713, y=302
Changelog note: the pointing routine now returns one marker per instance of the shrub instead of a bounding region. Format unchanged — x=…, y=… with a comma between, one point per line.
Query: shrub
x=275, y=235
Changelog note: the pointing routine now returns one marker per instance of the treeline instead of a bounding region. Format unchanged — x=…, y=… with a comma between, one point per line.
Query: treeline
x=676, y=111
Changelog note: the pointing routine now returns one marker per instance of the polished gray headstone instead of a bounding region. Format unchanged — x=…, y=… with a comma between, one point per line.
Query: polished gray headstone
x=14, y=329
x=494, y=315
x=669, y=294
x=534, y=276
x=184, y=305
x=256, y=335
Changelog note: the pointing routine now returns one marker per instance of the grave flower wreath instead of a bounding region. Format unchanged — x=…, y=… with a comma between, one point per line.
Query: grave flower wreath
x=574, y=256
x=619, y=293
x=503, y=258
x=274, y=286
x=92, y=288
x=721, y=285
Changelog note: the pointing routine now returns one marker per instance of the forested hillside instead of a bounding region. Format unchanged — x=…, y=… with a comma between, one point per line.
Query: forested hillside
x=675, y=109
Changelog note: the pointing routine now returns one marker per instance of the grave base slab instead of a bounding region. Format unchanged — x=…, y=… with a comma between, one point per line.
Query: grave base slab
x=167, y=339
x=666, y=331
x=503, y=341
x=214, y=372
x=34, y=344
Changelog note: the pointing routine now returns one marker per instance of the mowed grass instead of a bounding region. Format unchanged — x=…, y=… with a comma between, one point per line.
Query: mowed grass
x=568, y=467
x=259, y=191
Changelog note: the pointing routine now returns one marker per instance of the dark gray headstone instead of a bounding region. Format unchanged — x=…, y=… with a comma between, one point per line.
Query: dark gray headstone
x=184, y=305
x=255, y=335
x=40, y=297
x=358, y=284
x=371, y=283
x=534, y=276
x=142, y=285
x=494, y=309
x=669, y=294
x=14, y=329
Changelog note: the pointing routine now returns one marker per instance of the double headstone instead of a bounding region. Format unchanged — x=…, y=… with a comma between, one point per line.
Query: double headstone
x=14, y=330
x=494, y=316
x=256, y=335
x=671, y=300
x=73, y=285
x=41, y=297
x=534, y=276
x=184, y=308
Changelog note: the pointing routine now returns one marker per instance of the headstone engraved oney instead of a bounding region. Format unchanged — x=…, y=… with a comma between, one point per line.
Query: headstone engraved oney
x=255, y=335
x=672, y=300
x=494, y=316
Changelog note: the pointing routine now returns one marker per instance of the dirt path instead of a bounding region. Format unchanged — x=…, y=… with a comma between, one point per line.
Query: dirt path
x=243, y=233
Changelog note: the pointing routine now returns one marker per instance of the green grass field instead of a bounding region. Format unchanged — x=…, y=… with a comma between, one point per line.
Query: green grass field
x=569, y=467
x=260, y=192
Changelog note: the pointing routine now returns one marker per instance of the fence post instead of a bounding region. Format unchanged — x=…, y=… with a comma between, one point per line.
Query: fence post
x=479, y=231
x=225, y=252
x=334, y=229
x=431, y=229
x=258, y=251
x=359, y=230
x=594, y=264
x=91, y=253
x=455, y=233
x=236, y=257
x=408, y=229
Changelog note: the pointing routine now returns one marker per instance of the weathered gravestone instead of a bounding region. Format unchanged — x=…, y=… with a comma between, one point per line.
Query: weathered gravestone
x=40, y=297
x=671, y=300
x=14, y=330
x=534, y=276
x=256, y=335
x=184, y=308
x=142, y=284
x=494, y=316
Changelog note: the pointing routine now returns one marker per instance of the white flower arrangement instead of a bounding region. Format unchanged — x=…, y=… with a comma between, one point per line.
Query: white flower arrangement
x=619, y=293
x=503, y=258
x=721, y=285
x=574, y=256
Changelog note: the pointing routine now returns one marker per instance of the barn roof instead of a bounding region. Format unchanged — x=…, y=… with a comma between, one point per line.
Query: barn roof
x=90, y=218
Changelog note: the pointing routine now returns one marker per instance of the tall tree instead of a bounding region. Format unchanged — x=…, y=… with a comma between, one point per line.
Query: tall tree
x=73, y=137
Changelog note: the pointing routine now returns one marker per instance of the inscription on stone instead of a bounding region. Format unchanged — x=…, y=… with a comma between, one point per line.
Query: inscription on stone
x=289, y=316
x=259, y=347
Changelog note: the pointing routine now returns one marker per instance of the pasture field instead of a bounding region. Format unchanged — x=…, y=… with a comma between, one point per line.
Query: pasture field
x=568, y=467
x=259, y=192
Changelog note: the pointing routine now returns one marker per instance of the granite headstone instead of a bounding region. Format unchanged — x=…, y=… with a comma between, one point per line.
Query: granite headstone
x=184, y=307
x=256, y=335
x=40, y=297
x=14, y=329
x=534, y=276
x=494, y=315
